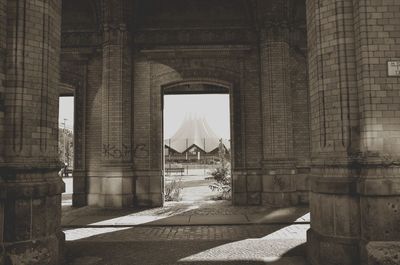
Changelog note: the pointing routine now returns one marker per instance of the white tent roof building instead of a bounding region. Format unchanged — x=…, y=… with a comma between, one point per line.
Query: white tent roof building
x=195, y=132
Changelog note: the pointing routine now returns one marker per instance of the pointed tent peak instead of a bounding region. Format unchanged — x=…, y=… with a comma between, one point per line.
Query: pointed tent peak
x=195, y=131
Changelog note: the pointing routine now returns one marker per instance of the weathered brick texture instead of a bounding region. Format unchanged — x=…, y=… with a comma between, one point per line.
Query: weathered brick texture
x=354, y=127
x=30, y=189
x=344, y=124
x=3, y=47
x=251, y=70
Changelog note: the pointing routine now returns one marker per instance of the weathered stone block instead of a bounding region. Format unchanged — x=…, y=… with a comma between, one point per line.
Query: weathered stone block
x=239, y=198
x=279, y=199
x=276, y=183
x=383, y=253
x=374, y=226
x=156, y=184
x=347, y=216
x=111, y=186
x=239, y=182
x=142, y=185
x=94, y=185
x=254, y=183
x=254, y=198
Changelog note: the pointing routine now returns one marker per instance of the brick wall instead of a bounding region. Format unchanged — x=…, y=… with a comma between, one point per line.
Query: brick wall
x=31, y=139
x=31, y=216
x=355, y=118
x=3, y=46
x=228, y=55
x=159, y=70
x=377, y=39
x=93, y=114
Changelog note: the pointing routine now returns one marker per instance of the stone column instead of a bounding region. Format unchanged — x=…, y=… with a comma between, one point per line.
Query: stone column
x=377, y=38
x=30, y=189
x=3, y=47
x=278, y=165
x=79, y=197
x=115, y=181
x=355, y=191
x=334, y=202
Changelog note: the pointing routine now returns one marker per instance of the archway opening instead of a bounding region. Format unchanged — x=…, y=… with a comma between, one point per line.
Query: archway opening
x=66, y=145
x=197, y=146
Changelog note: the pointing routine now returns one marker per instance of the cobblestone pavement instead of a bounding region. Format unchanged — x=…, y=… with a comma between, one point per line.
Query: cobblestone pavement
x=118, y=240
x=221, y=232
x=244, y=244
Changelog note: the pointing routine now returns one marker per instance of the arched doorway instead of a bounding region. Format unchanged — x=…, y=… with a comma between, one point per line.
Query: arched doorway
x=196, y=159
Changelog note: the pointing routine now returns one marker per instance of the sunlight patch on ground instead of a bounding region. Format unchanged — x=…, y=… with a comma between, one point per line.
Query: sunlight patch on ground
x=81, y=233
x=248, y=249
x=292, y=232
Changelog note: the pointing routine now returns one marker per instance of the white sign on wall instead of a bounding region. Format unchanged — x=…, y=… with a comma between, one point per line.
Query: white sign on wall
x=394, y=68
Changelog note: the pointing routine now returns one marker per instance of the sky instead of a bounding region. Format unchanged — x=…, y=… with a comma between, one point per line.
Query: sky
x=214, y=108
x=66, y=111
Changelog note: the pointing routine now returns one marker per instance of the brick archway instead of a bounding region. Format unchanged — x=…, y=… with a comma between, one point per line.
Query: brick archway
x=225, y=78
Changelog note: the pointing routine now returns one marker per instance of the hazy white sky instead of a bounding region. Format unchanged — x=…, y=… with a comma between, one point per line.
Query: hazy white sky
x=214, y=108
x=66, y=111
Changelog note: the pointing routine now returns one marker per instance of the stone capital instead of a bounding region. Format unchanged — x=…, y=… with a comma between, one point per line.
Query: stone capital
x=116, y=14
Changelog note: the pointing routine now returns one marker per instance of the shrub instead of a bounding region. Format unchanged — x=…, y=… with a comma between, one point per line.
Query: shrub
x=173, y=190
x=223, y=183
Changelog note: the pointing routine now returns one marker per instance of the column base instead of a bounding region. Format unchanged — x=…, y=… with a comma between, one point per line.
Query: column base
x=112, y=201
x=383, y=253
x=43, y=251
x=328, y=250
x=149, y=188
x=111, y=188
x=149, y=200
x=79, y=199
x=79, y=196
x=275, y=188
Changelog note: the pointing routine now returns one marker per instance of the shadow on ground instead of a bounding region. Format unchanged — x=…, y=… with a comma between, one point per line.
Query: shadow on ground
x=266, y=240
x=176, y=252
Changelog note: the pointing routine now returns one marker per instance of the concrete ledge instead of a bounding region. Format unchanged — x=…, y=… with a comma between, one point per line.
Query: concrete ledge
x=40, y=189
x=335, y=185
x=379, y=187
x=383, y=253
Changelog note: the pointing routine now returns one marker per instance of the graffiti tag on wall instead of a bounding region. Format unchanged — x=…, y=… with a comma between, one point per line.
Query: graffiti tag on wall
x=111, y=151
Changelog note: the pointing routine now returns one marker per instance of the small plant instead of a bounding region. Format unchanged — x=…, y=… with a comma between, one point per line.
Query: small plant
x=173, y=190
x=223, y=181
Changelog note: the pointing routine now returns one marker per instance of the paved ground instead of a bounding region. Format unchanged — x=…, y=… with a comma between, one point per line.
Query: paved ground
x=257, y=235
x=273, y=252
x=246, y=244
x=184, y=214
x=193, y=231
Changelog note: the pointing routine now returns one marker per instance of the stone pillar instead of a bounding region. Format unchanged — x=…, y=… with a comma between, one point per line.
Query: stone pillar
x=115, y=181
x=80, y=187
x=30, y=188
x=377, y=39
x=3, y=47
x=355, y=190
x=335, y=224
x=278, y=166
